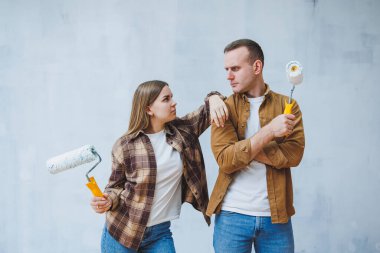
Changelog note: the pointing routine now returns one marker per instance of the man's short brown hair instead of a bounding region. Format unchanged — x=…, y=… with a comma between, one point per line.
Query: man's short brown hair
x=254, y=49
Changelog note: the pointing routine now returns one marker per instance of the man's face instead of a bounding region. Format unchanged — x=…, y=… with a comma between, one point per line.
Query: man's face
x=240, y=72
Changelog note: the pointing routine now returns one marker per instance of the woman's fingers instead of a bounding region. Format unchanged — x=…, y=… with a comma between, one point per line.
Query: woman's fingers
x=219, y=114
x=225, y=109
x=214, y=118
x=101, y=204
x=218, y=110
x=222, y=114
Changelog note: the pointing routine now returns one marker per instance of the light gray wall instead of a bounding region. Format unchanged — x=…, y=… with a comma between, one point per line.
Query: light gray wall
x=68, y=70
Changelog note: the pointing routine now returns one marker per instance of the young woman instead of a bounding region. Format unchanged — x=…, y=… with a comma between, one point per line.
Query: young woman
x=156, y=166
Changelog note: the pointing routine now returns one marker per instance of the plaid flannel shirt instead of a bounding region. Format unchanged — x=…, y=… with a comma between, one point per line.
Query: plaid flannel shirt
x=132, y=182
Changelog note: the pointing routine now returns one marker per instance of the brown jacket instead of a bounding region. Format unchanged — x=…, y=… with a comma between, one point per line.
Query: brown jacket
x=232, y=152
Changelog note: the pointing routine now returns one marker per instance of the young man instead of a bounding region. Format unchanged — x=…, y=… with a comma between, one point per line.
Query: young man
x=253, y=196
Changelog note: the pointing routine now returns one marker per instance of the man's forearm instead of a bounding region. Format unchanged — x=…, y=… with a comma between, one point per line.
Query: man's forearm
x=259, y=140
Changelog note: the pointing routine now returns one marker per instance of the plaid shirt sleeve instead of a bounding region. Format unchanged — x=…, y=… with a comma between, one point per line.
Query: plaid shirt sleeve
x=117, y=179
x=131, y=187
x=200, y=119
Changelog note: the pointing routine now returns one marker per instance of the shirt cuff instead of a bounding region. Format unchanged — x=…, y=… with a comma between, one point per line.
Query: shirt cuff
x=114, y=195
x=274, y=154
x=215, y=93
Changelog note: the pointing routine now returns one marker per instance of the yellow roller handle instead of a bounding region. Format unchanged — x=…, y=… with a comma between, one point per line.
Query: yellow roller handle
x=288, y=107
x=94, y=188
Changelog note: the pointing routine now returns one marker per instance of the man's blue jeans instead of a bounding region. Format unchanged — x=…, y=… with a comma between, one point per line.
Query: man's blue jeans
x=236, y=233
x=157, y=239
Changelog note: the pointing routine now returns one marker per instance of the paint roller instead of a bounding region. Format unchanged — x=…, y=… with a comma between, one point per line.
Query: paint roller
x=295, y=77
x=74, y=158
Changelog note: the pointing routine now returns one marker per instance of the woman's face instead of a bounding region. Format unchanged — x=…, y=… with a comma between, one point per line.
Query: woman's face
x=163, y=109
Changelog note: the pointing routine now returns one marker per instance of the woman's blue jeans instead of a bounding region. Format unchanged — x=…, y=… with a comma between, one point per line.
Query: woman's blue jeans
x=157, y=239
x=236, y=233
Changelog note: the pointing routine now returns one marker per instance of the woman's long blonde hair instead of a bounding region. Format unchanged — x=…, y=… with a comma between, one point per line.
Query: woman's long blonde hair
x=145, y=94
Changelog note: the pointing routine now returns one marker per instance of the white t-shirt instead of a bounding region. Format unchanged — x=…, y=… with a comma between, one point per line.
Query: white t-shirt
x=167, y=196
x=247, y=194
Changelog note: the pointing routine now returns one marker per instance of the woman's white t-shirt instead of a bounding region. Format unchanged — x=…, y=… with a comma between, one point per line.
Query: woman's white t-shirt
x=167, y=197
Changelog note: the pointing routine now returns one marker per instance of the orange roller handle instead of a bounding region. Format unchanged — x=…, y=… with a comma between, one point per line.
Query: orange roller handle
x=288, y=107
x=94, y=188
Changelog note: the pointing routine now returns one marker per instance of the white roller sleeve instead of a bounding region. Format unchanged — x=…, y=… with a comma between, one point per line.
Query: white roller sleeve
x=294, y=72
x=71, y=159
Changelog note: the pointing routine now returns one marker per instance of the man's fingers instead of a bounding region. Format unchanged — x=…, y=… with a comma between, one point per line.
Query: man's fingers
x=290, y=116
x=291, y=123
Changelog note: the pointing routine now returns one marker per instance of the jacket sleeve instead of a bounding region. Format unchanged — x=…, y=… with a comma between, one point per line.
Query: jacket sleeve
x=230, y=153
x=117, y=179
x=287, y=152
x=233, y=154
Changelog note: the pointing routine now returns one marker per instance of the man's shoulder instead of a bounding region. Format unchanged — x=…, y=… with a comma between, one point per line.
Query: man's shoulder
x=233, y=102
x=278, y=98
x=233, y=99
x=277, y=95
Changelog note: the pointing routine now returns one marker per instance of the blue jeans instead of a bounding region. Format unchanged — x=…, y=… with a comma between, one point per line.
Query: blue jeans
x=157, y=239
x=236, y=233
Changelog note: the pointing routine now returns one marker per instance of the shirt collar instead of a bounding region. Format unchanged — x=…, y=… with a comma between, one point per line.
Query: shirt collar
x=266, y=93
x=168, y=131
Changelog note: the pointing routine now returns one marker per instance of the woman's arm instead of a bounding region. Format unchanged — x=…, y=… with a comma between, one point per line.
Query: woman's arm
x=214, y=110
x=115, y=186
x=218, y=110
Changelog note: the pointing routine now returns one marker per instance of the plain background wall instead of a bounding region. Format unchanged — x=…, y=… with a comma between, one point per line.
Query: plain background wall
x=68, y=70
